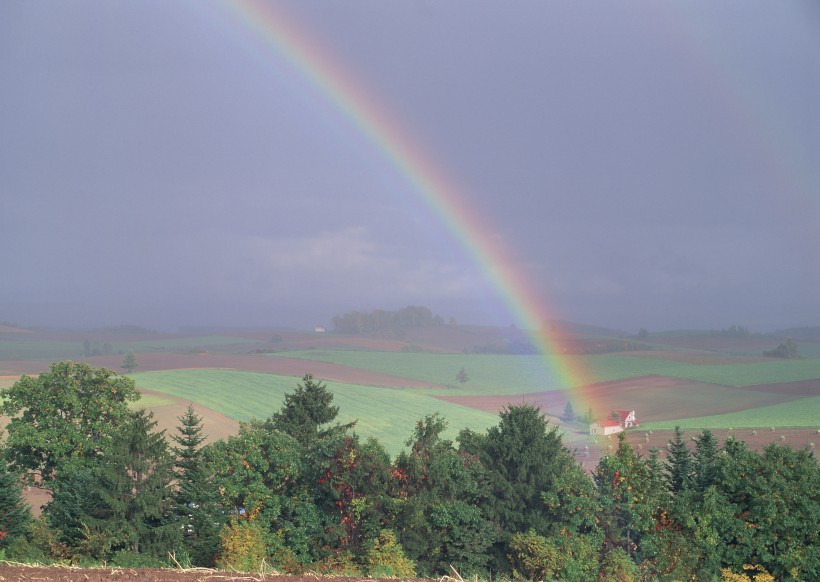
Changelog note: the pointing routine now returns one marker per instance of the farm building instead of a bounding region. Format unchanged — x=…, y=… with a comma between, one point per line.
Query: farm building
x=604, y=427
x=617, y=421
x=625, y=418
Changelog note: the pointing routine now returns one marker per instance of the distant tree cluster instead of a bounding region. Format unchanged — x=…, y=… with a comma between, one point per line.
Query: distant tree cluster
x=95, y=348
x=515, y=347
x=356, y=322
x=788, y=350
x=303, y=493
x=736, y=331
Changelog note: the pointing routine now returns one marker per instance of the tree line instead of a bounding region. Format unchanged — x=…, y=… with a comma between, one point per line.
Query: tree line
x=355, y=322
x=302, y=492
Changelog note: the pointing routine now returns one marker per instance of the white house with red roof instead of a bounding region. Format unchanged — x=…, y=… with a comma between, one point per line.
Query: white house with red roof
x=617, y=421
x=626, y=418
x=604, y=427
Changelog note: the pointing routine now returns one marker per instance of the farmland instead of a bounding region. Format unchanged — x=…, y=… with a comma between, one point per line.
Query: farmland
x=386, y=383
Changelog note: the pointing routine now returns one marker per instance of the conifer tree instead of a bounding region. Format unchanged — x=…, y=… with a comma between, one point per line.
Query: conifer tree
x=200, y=517
x=678, y=467
x=705, y=460
x=442, y=491
x=15, y=515
x=305, y=411
x=525, y=459
x=123, y=502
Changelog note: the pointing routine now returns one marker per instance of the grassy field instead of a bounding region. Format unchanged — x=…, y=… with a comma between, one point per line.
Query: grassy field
x=387, y=414
x=39, y=349
x=504, y=375
x=390, y=414
x=804, y=412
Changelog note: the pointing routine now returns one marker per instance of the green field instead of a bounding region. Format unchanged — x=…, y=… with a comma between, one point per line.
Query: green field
x=799, y=413
x=390, y=414
x=387, y=414
x=505, y=375
x=39, y=350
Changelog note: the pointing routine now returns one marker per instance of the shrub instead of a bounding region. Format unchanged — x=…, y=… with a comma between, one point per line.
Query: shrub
x=338, y=564
x=533, y=556
x=618, y=567
x=131, y=559
x=242, y=547
x=756, y=574
x=386, y=559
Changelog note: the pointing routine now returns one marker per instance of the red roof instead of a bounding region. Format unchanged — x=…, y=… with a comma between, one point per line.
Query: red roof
x=608, y=423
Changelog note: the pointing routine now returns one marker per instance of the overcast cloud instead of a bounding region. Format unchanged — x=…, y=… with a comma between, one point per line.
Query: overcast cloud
x=650, y=164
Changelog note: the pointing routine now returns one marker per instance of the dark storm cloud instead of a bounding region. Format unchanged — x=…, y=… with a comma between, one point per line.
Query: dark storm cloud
x=650, y=165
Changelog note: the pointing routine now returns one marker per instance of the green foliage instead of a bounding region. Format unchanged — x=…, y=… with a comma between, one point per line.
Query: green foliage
x=525, y=459
x=631, y=493
x=569, y=412
x=461, y=377
x=242, y=546
x=121, y=502
x=68, y=412
x=385, y=558
x=617, y=566
x=382, y=413
x=788, y=350
x=440, y=492
x=305, y=411
x=351, y=484
x=254, y=470
x=678, y=465
x=338, y=564
x=15, y=516
x=533, y=556
x=379, y=320
x=802, y=412
x=198, y=514
x=129, y=362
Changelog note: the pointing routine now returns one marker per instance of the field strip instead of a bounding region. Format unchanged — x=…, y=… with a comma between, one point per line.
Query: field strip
x=387, y=414
x=799, y=413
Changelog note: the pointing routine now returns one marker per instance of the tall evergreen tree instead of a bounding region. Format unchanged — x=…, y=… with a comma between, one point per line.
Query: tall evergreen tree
x=704, y=460
x=124, y=501
x=525, y=458
x=679, y=464
x=305, y=411
x=441, y=492
x=198, y=512
x=15, y=515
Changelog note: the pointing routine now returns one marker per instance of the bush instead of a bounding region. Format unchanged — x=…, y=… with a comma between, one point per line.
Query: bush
x=338, y=564
x=618, y=567
x=533, y=556
x=131, y=559
x=242, y=547
x=386, y=559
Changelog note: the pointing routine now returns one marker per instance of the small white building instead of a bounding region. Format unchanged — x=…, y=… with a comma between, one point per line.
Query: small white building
x=604, y=427
x=319, y=329
x=617, y=421
x=626, y=418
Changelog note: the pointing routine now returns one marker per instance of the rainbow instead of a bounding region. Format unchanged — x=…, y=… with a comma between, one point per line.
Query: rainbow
x=526, y=304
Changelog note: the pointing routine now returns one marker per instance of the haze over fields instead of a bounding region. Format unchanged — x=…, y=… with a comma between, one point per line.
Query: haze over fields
x=192, y=163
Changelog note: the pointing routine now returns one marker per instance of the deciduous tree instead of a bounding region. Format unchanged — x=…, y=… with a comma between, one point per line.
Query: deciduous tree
x=70, y=411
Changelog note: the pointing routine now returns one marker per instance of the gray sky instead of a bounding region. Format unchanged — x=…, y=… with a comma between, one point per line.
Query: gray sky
x=649, y=164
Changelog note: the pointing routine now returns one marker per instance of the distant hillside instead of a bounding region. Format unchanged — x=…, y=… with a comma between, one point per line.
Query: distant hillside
x=8, y=328
x=807, y=334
